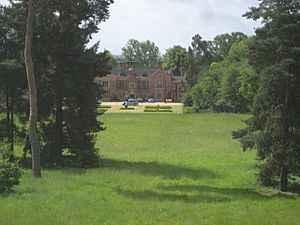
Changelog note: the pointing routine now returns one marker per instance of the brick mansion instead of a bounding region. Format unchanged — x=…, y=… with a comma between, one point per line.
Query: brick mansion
x=139, y=82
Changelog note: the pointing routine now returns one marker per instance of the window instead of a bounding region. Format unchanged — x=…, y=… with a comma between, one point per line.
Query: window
x=145, y=84
x=106, y=95
x=121, y=95
x=159, y=84
x=105, y=83
x=131, y=85
x=121, y=84
x=159, y=96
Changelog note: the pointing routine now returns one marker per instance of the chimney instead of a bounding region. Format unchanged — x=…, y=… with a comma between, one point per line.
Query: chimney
x=159, y=65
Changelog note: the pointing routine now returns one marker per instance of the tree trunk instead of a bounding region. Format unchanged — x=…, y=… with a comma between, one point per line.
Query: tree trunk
x=34, y=142
x=283, y=179
x=11, y=158
x=59, y=128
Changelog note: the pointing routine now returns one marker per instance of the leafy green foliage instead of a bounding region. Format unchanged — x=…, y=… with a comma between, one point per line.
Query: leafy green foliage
x=142, y=52
x=229, y=85
x=197, y=60
x=158, y=108
x=221, y=44
x=188, y=99
x=9, y=176
x=174, y=59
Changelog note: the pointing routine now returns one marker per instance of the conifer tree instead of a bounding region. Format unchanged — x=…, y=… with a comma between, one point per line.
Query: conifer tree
x=274, y=129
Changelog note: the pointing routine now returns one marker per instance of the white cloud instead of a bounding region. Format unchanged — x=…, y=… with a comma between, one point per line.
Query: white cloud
x=170, y=22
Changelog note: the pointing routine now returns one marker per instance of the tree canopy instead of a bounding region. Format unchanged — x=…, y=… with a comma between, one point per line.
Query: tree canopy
x=174, y=59
x=274, y=128
x=144, y=53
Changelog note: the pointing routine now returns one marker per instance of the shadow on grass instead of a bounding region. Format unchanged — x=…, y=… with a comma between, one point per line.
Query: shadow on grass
x=156, y=196
x=239, y=193
x=200, y=194
x=157, y=169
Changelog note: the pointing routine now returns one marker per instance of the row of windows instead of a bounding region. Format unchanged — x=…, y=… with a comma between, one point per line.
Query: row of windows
x=123, y=84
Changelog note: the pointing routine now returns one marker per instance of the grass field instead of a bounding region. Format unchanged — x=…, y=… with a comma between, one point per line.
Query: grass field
x=156, y=169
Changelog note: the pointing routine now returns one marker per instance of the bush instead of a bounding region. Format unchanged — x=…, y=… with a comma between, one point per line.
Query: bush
x=129, y=108
x=150, y=110
x=188, y=99
x=190, y=110
x=165, y=107
x=104, y=106
x=165, y=110
x=9, y=176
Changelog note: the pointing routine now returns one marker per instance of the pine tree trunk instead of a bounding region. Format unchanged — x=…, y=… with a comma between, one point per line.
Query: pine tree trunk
x=59, y=129
x=283, y=179
x=34, y=142
x=11, y=158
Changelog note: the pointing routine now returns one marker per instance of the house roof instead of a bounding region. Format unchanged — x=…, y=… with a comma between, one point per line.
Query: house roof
x=178, y=78
x=145, y=72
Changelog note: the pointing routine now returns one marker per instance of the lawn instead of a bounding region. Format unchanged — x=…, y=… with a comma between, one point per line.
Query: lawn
x=156, y=169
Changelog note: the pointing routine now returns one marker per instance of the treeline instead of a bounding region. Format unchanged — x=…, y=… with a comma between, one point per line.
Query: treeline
x=221, y=79
x=258, y=75
x=218, y=75
x=65, y=68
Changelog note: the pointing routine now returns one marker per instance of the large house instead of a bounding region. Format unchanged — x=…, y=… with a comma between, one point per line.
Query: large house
x=128, y=80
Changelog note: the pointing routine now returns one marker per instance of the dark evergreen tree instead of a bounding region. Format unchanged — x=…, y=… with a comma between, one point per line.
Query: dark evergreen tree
x=65, y=69
x=12, y=81
x=274, y=129
x=68, y=70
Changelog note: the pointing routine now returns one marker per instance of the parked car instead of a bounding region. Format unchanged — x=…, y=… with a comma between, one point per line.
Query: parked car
x=151, y=100
x=140, y=100
x=132, y=102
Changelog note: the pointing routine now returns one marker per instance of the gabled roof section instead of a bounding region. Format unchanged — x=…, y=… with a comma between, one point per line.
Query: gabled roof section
x=144, y=72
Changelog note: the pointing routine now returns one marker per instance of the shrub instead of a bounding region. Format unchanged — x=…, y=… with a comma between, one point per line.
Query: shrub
x=165, y=110
x=129, y=108
x=151, y=107
x=190, y=110
x=165, y=107
x=9, y=176
x=150, y=110
x=188, y=99
x=104, y=106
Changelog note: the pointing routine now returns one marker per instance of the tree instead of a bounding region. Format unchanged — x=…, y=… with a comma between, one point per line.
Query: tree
x=198, y=59
x=274, y=129
x=144, y=53
x=228, y=85
x=221, y=44
x=12, y=82
x=34, y=142
x=67, y=70
x=174, y=59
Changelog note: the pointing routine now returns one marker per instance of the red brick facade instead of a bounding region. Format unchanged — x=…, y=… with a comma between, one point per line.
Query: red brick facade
x=142, y=83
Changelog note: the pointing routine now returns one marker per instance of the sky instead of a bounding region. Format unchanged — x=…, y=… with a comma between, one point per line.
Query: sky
x=171, y=22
